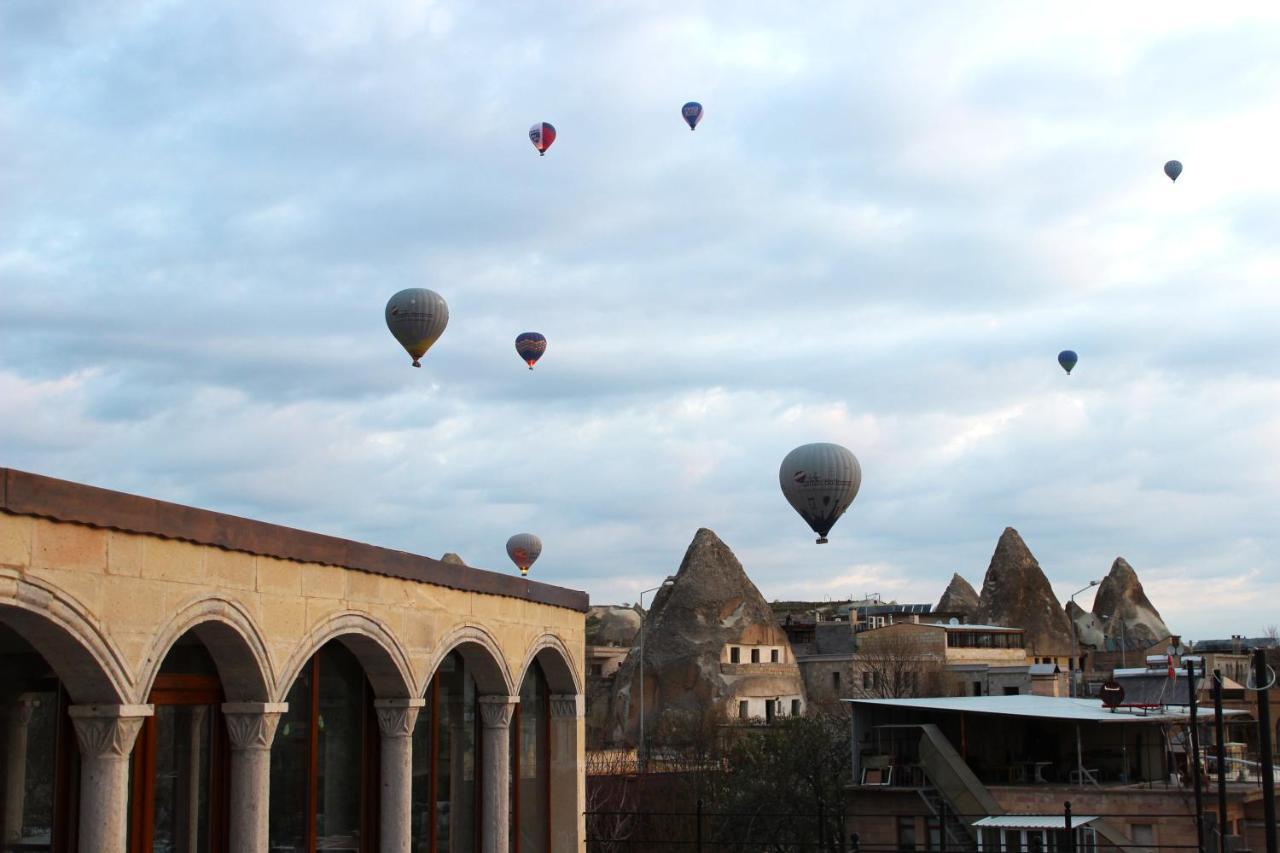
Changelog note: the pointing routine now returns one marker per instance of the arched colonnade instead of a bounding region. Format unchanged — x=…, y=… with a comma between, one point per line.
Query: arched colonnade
x=108, y=706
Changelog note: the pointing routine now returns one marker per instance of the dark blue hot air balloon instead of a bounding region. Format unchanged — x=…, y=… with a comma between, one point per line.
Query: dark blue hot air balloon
x=692, y=113
x=1173, y=169
x=531, y=346
x=1067, y=358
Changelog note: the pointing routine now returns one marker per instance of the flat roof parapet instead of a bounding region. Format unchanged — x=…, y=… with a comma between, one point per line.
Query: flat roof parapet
x=23, y=493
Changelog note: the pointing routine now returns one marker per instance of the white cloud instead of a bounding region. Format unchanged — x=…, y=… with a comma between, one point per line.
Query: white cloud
x=886, y=227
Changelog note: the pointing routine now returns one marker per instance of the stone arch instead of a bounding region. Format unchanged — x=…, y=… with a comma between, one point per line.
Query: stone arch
x=233, y=641
x=61, y=629
x=557, y=665
x=484, y=659
x=379, y=651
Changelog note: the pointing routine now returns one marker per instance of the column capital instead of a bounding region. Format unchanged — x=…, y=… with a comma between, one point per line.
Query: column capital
x=252, y=725
x=496, y=711
x=108, y=731
x=23, y=706
x=397, y=716
x=566, y=705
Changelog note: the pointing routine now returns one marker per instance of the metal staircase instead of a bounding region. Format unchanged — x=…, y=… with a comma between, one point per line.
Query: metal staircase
x=957, y=835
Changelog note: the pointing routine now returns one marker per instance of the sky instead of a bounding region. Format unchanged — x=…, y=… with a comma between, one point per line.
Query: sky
x=890, y=220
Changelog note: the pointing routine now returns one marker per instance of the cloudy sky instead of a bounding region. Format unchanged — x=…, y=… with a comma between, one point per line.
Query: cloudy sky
x=891, y=219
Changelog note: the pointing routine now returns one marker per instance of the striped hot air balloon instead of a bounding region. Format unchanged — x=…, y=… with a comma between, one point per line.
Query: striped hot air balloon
x=523, y=549
x=542, y=135
x=531, y=346
x=820, y=481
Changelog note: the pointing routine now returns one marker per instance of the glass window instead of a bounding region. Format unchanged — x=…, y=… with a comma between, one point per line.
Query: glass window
x=290, y=768
x=340, y=739
x=450, y=719
x=328, y=726
x=181, y=799
x=906, y=833
x=795, y=707
x=742, y=709
x=755, y=656
x=773, y=655
x=530, y=758
x=735, y=654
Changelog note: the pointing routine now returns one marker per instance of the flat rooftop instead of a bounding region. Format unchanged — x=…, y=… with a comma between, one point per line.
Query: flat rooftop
x=1039, y=707
x=22, y=493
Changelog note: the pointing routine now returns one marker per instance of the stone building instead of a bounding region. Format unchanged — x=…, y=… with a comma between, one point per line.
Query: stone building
x=711, y=644
x=180, y=679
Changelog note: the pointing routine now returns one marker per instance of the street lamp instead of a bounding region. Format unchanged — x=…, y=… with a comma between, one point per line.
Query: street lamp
x=1075, y=638
x=643, y=619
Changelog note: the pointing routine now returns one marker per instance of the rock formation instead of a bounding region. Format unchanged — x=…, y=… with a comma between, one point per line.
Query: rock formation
x=960, y=598
x=452, y=559
x=1016, y=594
x=1088, y=627
x=1123, y=610
x=610, y=625
x=711, y=604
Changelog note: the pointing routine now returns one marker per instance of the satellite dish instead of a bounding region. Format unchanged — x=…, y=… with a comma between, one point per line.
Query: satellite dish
x=1112, y=694
x=953, y=621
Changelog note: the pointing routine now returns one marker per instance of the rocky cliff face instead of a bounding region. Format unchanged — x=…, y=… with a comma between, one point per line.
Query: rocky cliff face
x=711, y=604
x=1124, y=612
x=960, y=597
x=1088, y=626
x=1015, y=593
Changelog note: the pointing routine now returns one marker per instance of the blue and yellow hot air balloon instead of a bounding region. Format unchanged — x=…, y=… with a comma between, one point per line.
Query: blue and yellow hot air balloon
x=531, y=346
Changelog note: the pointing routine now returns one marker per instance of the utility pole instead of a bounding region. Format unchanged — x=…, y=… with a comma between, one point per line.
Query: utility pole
x=1195, y=753
x=644, y=619
x=1263, y=678
x=1075, y=639
x=1222, y=761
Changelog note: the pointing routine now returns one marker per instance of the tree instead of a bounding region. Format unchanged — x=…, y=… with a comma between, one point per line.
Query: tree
x=783, y=787
x=899, y=661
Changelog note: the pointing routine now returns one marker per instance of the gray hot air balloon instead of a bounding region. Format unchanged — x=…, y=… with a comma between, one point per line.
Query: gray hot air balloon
x=417, y=317
x=820, y=481
x=523, y=549
x=1173, y=169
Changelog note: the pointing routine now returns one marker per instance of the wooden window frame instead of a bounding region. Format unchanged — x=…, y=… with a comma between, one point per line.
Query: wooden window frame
x=180, y=690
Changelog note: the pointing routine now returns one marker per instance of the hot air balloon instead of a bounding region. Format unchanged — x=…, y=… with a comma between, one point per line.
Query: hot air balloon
x=542, y=135
x=531, y=346
x=1173, y=169
x=523, y=549
x=692, y=113
x=820, y=481
x=417, y=317
x=1067, y=358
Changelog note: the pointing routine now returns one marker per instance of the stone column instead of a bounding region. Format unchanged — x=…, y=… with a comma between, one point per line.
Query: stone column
x=568, y=782
x=251, y=726
x=495, y=778
x=106, y=734
x=15, y=787
x=395, y=721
